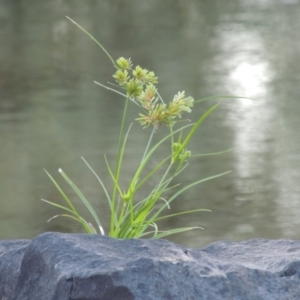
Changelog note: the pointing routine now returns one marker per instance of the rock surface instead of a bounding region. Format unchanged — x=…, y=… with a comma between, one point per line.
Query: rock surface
x=55, y=266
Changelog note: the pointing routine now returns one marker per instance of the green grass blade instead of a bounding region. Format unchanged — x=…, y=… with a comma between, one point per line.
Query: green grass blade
x=104, y=189
x=181, y=213
x=153, y=171
x=100, y=181
x=141, y=211
x=83, y=199
x=103, y=49
x=195, y=183
x=60, y=206
x=90, y=229
x=186, y=188
x=214, y=153
x=84, y=223
x=63, y=194
x=194, y=128
x=147, y=157
x=113, y=177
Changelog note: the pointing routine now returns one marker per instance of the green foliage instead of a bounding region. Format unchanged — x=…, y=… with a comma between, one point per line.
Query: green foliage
x=129, y=217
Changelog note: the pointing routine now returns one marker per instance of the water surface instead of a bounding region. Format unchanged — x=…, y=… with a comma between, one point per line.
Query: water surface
x=51, y=112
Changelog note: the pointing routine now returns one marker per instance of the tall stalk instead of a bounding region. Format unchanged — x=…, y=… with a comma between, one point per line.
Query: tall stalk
x=118, y=167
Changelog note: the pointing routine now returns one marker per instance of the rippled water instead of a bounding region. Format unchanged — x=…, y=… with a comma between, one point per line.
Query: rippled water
x=51, y=112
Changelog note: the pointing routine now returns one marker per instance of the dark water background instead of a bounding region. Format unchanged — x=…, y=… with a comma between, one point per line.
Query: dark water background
x=51, y=112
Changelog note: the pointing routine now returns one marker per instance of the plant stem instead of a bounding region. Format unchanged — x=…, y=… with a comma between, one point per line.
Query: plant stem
x=118, y=167
x=164, y=176
x=87, y=33
x=120, y=221
x=149, y=142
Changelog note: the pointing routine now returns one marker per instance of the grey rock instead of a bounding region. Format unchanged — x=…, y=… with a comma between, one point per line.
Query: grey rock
x=55, y=266
x=11, y=255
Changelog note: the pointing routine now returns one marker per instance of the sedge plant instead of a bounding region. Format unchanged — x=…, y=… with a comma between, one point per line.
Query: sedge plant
x=131, y=217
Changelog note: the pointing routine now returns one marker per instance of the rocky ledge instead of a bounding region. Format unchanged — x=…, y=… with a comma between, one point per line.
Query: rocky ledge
x=55, y=266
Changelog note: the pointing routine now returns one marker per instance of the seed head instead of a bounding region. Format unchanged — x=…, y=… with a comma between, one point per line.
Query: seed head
x=156, y=116
x=147, y=97
x=133, y=88
x=121, y=76
x=180, y=104
x=124, y=63
x=144, y=75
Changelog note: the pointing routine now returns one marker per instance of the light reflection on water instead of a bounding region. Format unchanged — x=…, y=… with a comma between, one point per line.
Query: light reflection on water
x=52, y=113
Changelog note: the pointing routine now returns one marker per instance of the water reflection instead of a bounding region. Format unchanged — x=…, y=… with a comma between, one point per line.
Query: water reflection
x=51, y=113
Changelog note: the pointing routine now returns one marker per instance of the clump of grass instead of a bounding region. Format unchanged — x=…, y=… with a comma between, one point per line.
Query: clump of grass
x=131, y=217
